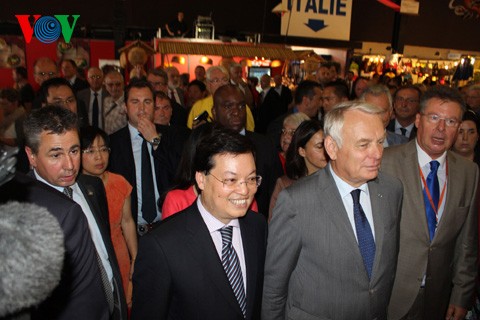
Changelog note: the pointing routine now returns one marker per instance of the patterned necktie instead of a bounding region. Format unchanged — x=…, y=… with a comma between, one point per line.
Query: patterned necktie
x=231, y=264
x=107, y=288
x=149, y=210
x=68, y=192
x=434, y=189
x=366, y=243
x=95, y=110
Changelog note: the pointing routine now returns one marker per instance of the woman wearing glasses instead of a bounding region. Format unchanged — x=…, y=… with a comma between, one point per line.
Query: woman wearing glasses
x=95, y=155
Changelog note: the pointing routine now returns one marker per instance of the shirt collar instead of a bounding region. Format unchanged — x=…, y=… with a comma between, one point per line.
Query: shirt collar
x=343, y=187
x=39, y=178
x=409, y=127
x=134, y=133
x=424, y=158
x=213, y=224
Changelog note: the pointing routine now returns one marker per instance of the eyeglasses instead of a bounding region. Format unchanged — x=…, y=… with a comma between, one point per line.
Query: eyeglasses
x=435, y=119
x=407, y=100
x=288, y=132
x=95, y=77
x=230, y=105
x=154, y=84
x=43, y=74
x=218, y=80
x=60, y=102
x=232, y=183
x=92, y=151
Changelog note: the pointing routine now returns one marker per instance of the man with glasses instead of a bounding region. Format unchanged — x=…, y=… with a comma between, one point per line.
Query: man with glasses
x=93, y=97
x=406, y=103
x=114, y=114
x=472, y=97
x=146, y=154
x=206, y=262
x=59, y=92
x=437, y=261
x=217, y=76
x=43, y=69
x=158, y=79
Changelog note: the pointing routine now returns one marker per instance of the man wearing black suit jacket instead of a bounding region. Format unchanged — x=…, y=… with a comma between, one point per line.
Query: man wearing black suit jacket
x=181, y=267
x=161, y=151
x=270, y=106
x=229, y=110
x=96, y=91
x=80, y=293
x=406, y=104
x=69, y=71
x=53, y=149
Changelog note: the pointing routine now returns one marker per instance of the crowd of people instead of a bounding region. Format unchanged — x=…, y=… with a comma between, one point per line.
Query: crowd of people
x=335, y=199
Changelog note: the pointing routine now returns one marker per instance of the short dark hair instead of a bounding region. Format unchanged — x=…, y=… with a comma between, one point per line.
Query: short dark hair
x=219, y=92
x=220, y=141
x=141, y=83
x=163, y=96
x=306, y=88
x=295, y=166
x=53, y=119
x=409, y=86
x=22, y=72
x=199, y=84
x=89, y=134
x=159, y=73
x=10, y=94
x=443, y=93
x=340, y=89
x=53, y=83
x=74, y=65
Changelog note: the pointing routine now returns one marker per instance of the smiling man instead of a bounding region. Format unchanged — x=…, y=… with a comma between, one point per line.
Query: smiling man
x=435, y=276
x=206, y=262
x=333, y=239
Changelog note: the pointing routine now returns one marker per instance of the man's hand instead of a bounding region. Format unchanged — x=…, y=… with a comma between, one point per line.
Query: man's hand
x=455, y=313
x=147, y=128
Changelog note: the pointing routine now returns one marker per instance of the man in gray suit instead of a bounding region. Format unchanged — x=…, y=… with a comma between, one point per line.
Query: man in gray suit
x=435, y=276
x=333, y=238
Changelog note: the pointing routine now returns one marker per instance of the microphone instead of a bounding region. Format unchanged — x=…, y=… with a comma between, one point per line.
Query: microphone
x=31, y=256
x=7, y=163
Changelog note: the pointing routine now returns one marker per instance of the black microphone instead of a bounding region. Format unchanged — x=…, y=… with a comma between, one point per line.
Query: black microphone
x=31, y=256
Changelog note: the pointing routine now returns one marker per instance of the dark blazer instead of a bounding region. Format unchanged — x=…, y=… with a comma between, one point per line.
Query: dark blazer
x=94, y=192
x=79, y=84
x=166, y=158
x=286, y=97
x=268, y=166
x=179, y=275
x=270, y=108
x=80, y=293
x=391, y=128
x=179, y=114
x=450, y=260
x=313, y=267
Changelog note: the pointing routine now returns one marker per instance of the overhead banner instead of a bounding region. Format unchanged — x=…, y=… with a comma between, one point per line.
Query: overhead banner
x=325, y=19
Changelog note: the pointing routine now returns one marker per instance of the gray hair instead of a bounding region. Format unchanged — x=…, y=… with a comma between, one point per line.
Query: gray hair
x=335, y=119
x=377, y=90
x=295, y=119
x=217, y=68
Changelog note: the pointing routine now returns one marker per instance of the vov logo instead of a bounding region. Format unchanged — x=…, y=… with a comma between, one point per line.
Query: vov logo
x=47, y=28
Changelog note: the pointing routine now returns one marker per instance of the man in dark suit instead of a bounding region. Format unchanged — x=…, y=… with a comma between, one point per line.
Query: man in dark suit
x=379, y=95
x=53, y=149
x=206, y=262
x=283, y=91
x=143, y=150
x=229, y=110
x=270, y=106
x=333, y=238
x=406, y=103
x=93, y=97
x=80, y=293
x=70, y=73
x=437, y=262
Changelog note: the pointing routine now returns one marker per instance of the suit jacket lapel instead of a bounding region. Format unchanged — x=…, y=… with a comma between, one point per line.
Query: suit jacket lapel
x=380, y=208
x=204, y=252
x=250, y=251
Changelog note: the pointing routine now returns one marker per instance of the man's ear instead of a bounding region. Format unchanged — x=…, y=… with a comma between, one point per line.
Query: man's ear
x=32, y=158
x=200, y=178
x=331, y=147
x=213, y=113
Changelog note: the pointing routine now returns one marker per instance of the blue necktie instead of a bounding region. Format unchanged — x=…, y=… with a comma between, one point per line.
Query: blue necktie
x=231, y=264
x=434, y=189
x=366, y=243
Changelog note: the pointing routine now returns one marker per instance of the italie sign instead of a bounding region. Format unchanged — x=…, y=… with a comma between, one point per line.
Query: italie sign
x=325, y=19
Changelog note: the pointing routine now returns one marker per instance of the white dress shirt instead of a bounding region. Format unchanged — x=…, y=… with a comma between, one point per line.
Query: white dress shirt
x=408, y=128
x=214, y=225
x=345, y=193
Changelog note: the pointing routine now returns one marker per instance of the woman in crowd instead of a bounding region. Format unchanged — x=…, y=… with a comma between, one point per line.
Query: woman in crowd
x=95, y=155
x=184, y=193
x=305, y=156
x=290, y=124
x=467, y=138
